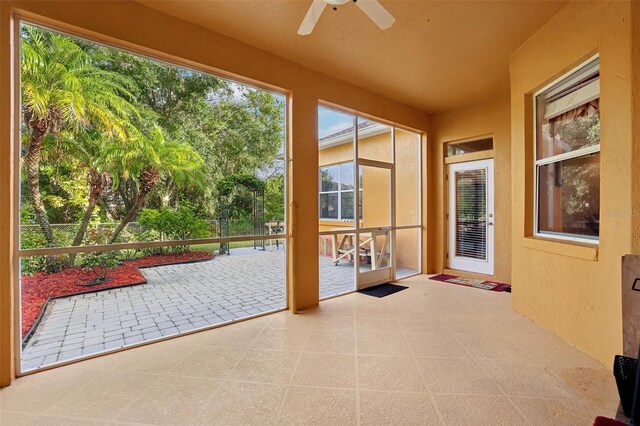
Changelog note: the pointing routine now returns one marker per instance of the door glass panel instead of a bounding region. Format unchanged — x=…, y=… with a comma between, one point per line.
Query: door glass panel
x=407, y=252
x=471, y=211
x=376, y=197
x=407, y=160
x=374, y=141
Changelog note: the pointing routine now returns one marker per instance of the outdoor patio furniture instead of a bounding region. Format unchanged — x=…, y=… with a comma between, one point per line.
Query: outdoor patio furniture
x=366, y=247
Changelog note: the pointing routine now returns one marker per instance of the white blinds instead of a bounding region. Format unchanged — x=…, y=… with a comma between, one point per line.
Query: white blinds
x=471, y=212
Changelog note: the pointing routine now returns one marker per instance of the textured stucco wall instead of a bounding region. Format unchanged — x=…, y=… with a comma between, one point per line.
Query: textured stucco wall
x=572, y=289
x=491, y=118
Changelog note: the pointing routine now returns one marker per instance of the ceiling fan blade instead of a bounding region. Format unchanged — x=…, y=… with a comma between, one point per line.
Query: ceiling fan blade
x=378, y=14
x=312, y=16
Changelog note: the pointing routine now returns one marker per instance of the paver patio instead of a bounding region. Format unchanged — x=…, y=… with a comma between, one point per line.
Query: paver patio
x=177, y=298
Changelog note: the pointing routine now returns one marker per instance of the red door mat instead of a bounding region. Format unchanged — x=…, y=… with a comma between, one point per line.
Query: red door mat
x=472, y=282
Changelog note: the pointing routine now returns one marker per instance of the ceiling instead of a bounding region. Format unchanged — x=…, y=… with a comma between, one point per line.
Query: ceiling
x=438, y=55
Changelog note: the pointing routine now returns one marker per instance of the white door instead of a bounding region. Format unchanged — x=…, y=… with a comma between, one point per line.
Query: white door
x=471, y=216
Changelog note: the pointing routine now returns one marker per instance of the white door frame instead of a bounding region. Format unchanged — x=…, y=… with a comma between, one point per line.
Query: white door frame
x=481, y=266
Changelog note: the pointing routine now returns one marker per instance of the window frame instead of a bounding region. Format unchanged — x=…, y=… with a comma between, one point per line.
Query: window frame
x=339, y=192
x=558, y=158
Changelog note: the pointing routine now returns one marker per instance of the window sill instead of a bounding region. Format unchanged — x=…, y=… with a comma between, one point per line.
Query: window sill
x=563, y=248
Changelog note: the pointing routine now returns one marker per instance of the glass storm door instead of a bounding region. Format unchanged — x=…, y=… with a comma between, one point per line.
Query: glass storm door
x=471, y=230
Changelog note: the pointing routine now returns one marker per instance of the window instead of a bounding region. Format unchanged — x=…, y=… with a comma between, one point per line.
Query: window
x=336, y=192
x=469, y=147
x=567, y=157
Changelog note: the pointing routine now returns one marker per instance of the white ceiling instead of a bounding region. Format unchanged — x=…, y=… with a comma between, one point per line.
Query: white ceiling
x=439, y=55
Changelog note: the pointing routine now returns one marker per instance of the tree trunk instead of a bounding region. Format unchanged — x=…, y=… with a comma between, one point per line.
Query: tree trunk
x=32, y=165
x=84, y=224
x=148, y=179
x=137, y=205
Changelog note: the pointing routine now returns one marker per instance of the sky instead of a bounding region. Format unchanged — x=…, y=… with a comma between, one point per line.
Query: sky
x=330, y=121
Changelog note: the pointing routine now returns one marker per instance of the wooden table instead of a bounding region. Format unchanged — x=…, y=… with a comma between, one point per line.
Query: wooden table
x=345, y=249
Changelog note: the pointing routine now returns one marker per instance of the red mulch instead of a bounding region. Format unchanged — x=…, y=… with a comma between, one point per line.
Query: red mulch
x=36, y=289
x=163, y=259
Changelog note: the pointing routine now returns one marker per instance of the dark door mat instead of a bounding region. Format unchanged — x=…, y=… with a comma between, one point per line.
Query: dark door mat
x=382, y=290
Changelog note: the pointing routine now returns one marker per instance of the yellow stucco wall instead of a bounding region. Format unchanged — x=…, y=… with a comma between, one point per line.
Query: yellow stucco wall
x=131, y=25
x=572, y=289
x=491, y=118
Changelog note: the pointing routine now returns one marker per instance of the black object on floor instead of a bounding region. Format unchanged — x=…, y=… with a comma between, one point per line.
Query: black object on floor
x=382, y=290
x=625, y=372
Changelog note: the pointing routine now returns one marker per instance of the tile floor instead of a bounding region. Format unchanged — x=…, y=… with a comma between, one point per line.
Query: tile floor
x=428, y=355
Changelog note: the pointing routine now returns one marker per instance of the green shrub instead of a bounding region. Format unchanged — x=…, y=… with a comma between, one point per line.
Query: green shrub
x=182, y=223
x=100, y=263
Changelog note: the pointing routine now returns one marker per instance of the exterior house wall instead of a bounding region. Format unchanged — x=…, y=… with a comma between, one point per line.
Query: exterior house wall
x=491, y=118
x=574, y=289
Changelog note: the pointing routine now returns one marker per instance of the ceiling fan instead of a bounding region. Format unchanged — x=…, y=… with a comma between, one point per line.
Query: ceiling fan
x=374, y=10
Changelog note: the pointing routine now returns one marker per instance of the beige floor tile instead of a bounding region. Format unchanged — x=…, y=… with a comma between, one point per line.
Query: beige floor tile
x=266, y=366
x=323, y=341
x=595, y=385
x=157, y=358
x=396, y=408
x=478, y=410
x=316, y=406
x=331, y=370
x=380, y=323
x=16, y=418
x=171, y=401
x=37, y=392
x=372, y=305
x=243, y=404
x=525, y=378
x=209, y=361
x=229, y=335
x=335, y=341
x=552, y=351
x=389, y=343
x=463, y=375
x=421, y=324
x=512, y=324
x=467, y=324
x=389, y=373
x=281, y=339
x=344, y=304
x=105, y=398
x=63, y=421
x=414, y=306
x=435, y=345
x=491, y=346
x=331, y=321
x=556, y=411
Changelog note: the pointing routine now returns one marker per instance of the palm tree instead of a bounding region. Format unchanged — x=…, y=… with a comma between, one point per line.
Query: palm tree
x=89, y=150
x=156, y=158
x=63, y=88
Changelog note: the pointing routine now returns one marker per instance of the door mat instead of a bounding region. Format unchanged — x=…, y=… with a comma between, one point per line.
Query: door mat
x=473, y=282
x=382, y=290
